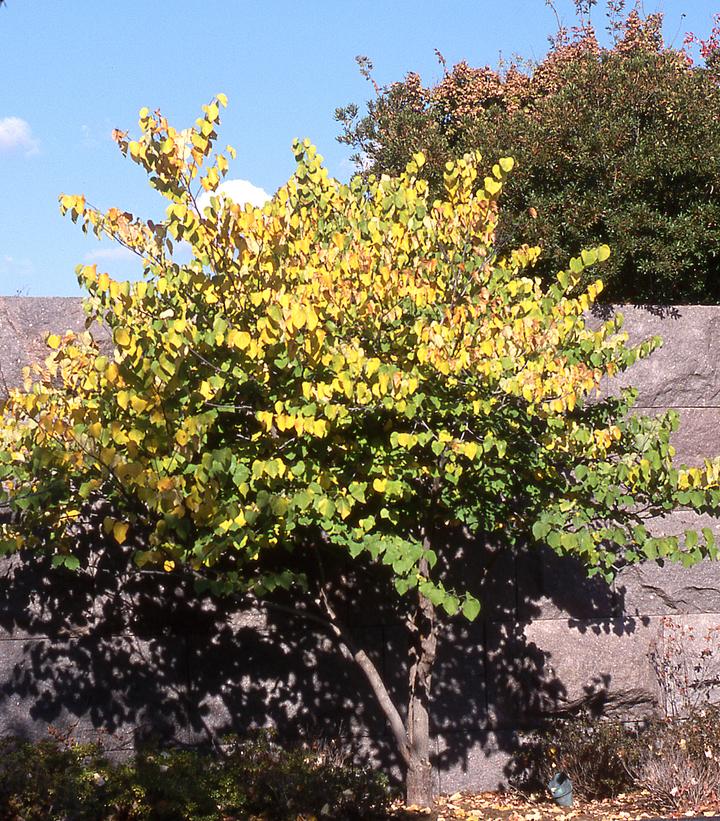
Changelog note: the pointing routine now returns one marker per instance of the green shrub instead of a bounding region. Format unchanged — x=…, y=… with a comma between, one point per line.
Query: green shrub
x=49, y=780
x=615, y=145
x=54, y=780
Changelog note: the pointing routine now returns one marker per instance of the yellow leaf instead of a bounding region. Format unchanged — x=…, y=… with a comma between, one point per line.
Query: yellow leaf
x=111, y=372
x=242, y=340
x=379, y=485
x=311, y=318
x=319, y=427
x=297, y=315
x=471, y=450
x=492, y=186
x=53, y=341
x=138, y=404
x=603, y=252
x=119, y=531
x=406, y=440
x=122, y=337
x=168, y=565
x=95, y=430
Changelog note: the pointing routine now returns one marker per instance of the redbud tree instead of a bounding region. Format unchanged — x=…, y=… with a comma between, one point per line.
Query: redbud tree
x=348, y=370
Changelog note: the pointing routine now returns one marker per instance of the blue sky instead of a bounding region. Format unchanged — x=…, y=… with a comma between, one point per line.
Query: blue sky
x=72, y=71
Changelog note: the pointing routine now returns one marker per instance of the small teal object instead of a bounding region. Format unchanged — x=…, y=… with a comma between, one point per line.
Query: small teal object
x=560, y=787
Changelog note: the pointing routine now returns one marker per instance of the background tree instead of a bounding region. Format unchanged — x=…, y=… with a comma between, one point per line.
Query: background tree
x=616, y=145
x=349, y=371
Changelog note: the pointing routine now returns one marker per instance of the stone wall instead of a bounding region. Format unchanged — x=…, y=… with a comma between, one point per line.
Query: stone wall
x=124, y=658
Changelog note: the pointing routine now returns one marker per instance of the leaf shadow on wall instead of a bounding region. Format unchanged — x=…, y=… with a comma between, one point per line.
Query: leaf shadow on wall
x=134, y=659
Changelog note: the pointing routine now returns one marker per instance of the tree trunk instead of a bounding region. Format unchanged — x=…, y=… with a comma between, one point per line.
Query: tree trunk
x=418, y=784
x=418, y=779
x=413, y=736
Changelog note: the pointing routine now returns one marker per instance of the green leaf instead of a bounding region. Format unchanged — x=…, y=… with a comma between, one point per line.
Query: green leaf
x=470, y=607
x=303, y=499
x=325, y=507
x=357, y=490
x=650, y=549
x=451, y=605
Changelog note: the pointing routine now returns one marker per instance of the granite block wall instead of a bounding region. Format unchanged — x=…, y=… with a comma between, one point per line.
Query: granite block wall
x=124, y=659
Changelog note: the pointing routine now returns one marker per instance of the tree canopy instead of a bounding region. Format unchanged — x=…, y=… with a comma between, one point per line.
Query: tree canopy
x=349, y=370
x=616, y=145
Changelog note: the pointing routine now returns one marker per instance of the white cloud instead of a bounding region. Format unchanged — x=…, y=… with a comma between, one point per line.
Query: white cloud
x=110, y=254
x=16, y=135
x=239, y=191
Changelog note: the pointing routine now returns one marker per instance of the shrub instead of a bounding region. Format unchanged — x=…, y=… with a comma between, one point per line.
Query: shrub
x=680, y=765
x=53, y=780
x=628, y=134
x=687, y=668
x=50, y=779
x=597, y=754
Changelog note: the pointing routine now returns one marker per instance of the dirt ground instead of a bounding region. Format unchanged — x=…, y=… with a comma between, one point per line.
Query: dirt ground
x=508, y=807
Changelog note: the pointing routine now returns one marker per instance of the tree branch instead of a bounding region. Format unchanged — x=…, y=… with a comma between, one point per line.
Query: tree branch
x=350, y=650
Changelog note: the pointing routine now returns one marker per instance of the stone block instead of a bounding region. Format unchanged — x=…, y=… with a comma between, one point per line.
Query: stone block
x=365, y=597
x=459, y=699
x=287, y=676
x=37, y=600
x=118, y=689
x=683, y=373
x=475, y=761
x=482, y=566
x=553, y=667
x=24, y=324
x=378, y=751
x=555, y=587
x=686, y=661
x=489, y=570
x=458, y=679
x=698, y=436
x=678, y=521
x=648, y=589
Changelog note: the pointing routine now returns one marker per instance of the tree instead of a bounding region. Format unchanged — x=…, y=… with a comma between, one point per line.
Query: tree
x=615, y=145
x=349, y=370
